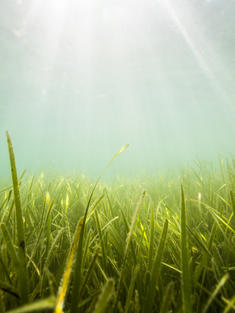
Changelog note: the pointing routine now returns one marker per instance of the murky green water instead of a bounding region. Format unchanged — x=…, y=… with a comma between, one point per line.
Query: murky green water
x=79, y=80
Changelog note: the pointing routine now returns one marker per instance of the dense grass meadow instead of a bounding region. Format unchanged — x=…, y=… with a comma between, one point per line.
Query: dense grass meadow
x=163, y=244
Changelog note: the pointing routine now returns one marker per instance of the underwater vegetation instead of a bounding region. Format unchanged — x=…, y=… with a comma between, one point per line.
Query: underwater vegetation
x=157, y=245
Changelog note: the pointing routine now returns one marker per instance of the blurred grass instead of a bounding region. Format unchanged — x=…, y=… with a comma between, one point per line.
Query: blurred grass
x=165, y=249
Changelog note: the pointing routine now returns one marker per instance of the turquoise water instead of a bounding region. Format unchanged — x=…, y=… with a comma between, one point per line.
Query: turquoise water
x=78, y=81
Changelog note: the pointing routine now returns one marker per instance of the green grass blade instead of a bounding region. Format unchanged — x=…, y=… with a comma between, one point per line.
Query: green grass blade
x=116, y=155
x=155, y=271
x=10, y=247
x=131, y=288
x=23, y=280
x=66, y=276
x=215, y=292
x=98, y=179
x=90, y=269
x=79, y=258
x=105, y=297
x=186, y=277
x=128, y=241
x=53, y=246
x=233, y=205
x=151, y=242
x=230, y=305
x=101, y=239
x=167, y=298
x=40, y=305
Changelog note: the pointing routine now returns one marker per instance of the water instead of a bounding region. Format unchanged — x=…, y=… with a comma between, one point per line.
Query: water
x=79, y=80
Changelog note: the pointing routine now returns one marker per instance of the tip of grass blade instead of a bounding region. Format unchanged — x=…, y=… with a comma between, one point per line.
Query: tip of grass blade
x=22, y=273
x=117, y=154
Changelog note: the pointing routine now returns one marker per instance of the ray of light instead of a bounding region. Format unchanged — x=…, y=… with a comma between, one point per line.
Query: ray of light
x=197, y=53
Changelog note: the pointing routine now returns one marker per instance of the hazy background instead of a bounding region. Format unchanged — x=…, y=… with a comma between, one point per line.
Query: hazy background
x=79, y=79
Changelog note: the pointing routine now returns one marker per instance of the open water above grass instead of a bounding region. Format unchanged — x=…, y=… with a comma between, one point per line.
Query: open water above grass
x=80, y=80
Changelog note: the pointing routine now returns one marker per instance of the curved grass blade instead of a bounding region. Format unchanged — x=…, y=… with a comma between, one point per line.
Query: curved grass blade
x=98, y=179
x=233, y=205
x=23, y=275
x=66, y=276
x=40, y=305
x=105, y=297
x=116, y=155
x=78, y=266
x=128, y=239
x=52, y=247
x=101, y=239
x=186, y=279
x=90, y=269
x=167, y=298
x=215, y=292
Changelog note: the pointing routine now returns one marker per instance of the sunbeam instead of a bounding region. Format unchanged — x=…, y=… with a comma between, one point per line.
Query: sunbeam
x=199, y=53
x=91, y=75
